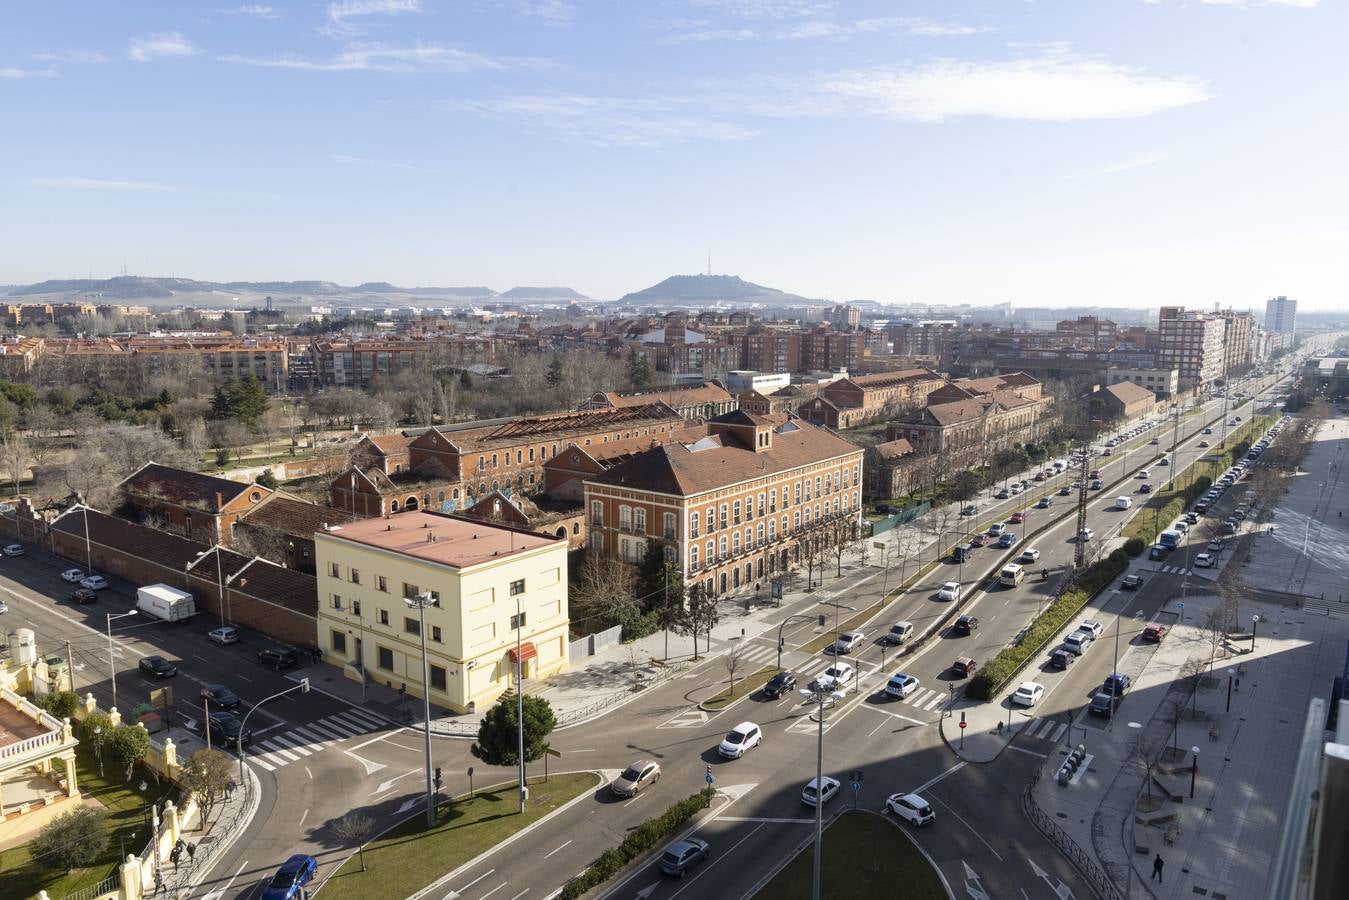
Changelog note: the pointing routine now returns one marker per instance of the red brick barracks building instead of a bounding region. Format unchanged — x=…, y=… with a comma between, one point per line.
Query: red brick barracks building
x=732, y=506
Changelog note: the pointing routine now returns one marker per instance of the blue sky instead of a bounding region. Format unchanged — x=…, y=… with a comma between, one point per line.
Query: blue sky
x=1058, y=151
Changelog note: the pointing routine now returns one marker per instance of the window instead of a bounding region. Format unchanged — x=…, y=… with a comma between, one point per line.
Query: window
x=796, y=493
x=808, y=495
x=518, y=621
x=721, y=545
x=519, y=457
x=337, y=601
x=339, y=642
x=410, y=591
x=711, y=553
x=384, y=658
x=517, y=587
x=735, y=512
x=693, y=525
x=761, y=504
x=383, y=617
x=596, y=512
x=356, y=607
x=735, y=542
x=772, y=529
x=438, y=678
x=773, y=500
x=639, y=520
x=625, y=517
x=693, y=556
x=796, y=519
x=723, y=515
x=670, y=527
x=355, y=576
x=334, y=571
x=382, y=583
x=817, y=485
x=711, y=526
x=411, y=625
x=758, y=533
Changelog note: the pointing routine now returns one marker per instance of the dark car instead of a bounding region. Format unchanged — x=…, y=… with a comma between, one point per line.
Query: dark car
x=227, y=728
x=289, y=881
x=1145, y=488
x=157, y=667
x=1061, y=659
x=1104, y=703
x=779, y=684
x=83, y=595
x=283, y=658
x=220, y=696
x=966, y=625
x=1132, y=582
x=1117, y=683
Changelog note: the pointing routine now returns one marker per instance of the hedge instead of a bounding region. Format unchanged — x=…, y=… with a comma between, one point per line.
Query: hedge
x=1135, y=546
x=638, y=841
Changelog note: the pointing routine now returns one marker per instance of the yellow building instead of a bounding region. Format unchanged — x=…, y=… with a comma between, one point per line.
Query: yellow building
x=477, y=574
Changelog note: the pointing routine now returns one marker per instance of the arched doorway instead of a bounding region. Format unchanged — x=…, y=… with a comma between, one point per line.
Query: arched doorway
x=411, y=504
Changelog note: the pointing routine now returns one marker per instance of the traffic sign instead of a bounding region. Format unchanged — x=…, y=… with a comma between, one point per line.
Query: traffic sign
x=710, y=779
x=962, y=724
x=856, y=786
x=962, y=720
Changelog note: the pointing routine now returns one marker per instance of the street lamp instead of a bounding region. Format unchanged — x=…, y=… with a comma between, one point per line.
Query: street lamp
x=818, y=616
x=112, y=663
x=1194, y=769
x=98, y=747
x=1255, y=620
x=302, y=687
x=814, y=694
x=520, y=699
x=420, y=603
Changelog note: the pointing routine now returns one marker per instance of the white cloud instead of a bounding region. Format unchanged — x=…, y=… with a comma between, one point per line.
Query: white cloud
x=13, y=73
x=1056, y=86
x=603, y=121
x=255, y=10
x=344, y=17
x=163, y=45
x=1299, y=4
x=101, y=184
x=372, y=57
x=808, y=29
x=1133, y=162
x=72, y=56
x=547, y=12
x=379, y=163
x=767, y=9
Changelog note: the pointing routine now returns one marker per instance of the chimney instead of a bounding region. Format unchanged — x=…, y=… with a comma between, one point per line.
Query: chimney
x=388, y=527
x=219, y=500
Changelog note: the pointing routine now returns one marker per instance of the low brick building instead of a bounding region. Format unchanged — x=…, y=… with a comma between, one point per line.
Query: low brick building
x=199, y=507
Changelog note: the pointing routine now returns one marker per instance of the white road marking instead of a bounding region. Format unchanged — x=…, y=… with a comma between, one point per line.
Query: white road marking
x=1029, y=752
x=497, y=888
x=625, y=805
x=951, y=771
x=220, y=892
x=307, y=772
x=304, y=815
x=719, y=858
x=473, y=882
x=521, y=894
x=766, y=819
x=895, y=715
x=551, y=852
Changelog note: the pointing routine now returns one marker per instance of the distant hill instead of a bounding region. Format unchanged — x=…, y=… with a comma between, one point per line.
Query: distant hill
x=135, y=287
x=703, y=290
x=542, y=293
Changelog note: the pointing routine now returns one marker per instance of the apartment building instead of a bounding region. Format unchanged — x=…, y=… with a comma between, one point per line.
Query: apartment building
x=490, y=587
x=222, y=356
x=770, y=349
x=1280, y=315
x=1165, y=383
x=1193, y=343
x=1238, y=341
x=825, y=350
x=731, y=507
x=1089, y=332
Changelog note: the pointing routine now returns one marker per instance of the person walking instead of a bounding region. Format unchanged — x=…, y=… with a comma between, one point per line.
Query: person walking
x=1157, y=867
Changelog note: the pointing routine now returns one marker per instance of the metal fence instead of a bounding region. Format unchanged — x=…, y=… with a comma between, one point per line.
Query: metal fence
x=574, y=716
x=1080, y=859
x=178, y=881
x=591, y=644
x=107, y=886
x=880, y=526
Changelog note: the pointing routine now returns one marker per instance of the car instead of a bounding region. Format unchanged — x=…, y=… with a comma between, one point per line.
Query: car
x=640, y=774
x=1154, y=631
x=779, y=684
x=1215, y=546
x=1065, y=491
x=73, y=576
x=1017, y=517
x=1230, y=526
x=1205, y=560
x=14, y=550
x=901, y=685
x=278, y=658
x=94, y=582
x=1097, y=484
x=1132, y=582
x=83, y=595
x=225, y=634
x=949, y=591
x=1028, y=693
x=1180, y=525
x=1142, y=473
x=911, y=808
x=742, y=737
x=964, y=666
x=4, y=607
x=966, y=624
x=1095, y=473
x=898, y=633
x=996, y=529
x=1154, y=441
x=1061, y=659
x=1086, y=534
x=978, y=540
x=226, y=727
x=969, y=510
x=1203, y=443
x=156, y=667
x=1208, y=431
x=1045, y=503
x=1238, y=418
x=1016, y=489
x=1007, y=539
x=220, y=696
x=289, y=881
x=1077, y=642
x=1201, y=507
x=848, y=641
x=1092, y=627
x=1163, y=461
x=1104, y=703
x=1191, y=518
x=683, y=855
x=1002, y=494
x=1107, y=452
x=834, y=677
x=1145, y=488
x=1041, y=476
x=1029, y=555
x=827, y=789
x=1117, y=683
x=1239, y=515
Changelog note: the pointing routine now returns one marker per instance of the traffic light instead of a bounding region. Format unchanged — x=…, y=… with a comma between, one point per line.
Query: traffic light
x=437, y=777
x=823, y=620
x=709, y=770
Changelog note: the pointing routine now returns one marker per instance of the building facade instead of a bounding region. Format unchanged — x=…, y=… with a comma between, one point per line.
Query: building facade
x=1165, y=383
x=478, y=575
x=1280, y=315
x=1191, y=342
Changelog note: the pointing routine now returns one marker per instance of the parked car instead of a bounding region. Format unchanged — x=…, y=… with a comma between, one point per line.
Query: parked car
x=835, y=677
x=1028, y=694
x=949, y=591
x=639, y=775
x=964, y=666
x=225, y=634
x=1132, y=582
x=14, y=550
x=1003, y=494
x=901, y=685
x=1145, y=488
x=156, y=667
x=1061, y=659
x=966, y=624
x=1215, y=546
x=227, y=728
x=1205, y=560
x=1077, y=642
x=821, y=791
x=911, y=808
x=779, y=684
x=1092, y=627
x=1117, y=683
x=73, y=576
x=278, y=658
x=1104, y=703
x=289, y=881
x=683, y=855
x=94, y=582
x=898, y=633
x=1154, y=631
x=220, y=696
x=4, y=607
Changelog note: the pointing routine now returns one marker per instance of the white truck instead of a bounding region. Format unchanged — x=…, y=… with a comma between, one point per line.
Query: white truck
x=166, y=603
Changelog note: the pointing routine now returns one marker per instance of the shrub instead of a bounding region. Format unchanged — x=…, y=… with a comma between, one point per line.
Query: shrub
x=1134, y=546
x=638, y=841
x=77, y=838
x=62, y=704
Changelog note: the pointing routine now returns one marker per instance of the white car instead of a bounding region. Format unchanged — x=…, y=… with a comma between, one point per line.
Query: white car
x=742, y=737
x=14, y=550
x=4, y=607
x=73, y=576
x=1030, y=555
x=1085, y=535
x=1028, y=694
x=225, y=634
x=1142, y=473
x=1092, y=627
x=836, y=676
x=911, y=808
x=1205, y=561
x=901, y=685
x=848, y=641
x=94, y=582
x=810, y=795
x=949, y=591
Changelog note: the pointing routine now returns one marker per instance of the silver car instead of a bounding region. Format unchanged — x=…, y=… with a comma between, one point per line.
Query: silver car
x=635, y=777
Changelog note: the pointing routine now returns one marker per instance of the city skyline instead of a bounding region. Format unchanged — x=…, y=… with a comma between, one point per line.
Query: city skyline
x=1126, y=154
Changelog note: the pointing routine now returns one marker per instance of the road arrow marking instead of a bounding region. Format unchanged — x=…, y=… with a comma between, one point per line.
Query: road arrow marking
x=972, y=885
x=648, y=890
x=408, y=804
x=384, y=786
x=1060, y=889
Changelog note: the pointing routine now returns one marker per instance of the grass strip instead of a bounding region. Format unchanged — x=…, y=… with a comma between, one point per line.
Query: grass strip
x=407, y=858
x=743, y=688
x=857, y=620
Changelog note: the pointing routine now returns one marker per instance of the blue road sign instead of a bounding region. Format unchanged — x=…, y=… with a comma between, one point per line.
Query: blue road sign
x=710, y=779
x=856, y=786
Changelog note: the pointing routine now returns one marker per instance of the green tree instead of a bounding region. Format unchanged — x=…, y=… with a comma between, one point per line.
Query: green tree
x=554, y=374
x=62, y=704
x=244, y=401
x=964, y=485
x=669, y=608
x=700, y=616
x=640, y=373
x=466, y=380
x=498, y=737
x=73, y=840
x=128, y=746
x=268, y=479
x=207, y=775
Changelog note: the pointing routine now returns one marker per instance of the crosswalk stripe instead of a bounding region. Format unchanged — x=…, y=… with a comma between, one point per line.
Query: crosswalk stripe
x=292, y=745
x=1038, y=726
x=933, y=703
x=922, y=696
x=1058, y=732
x=371, y=720
x=278, y=750
x=327, y=731
x=312, y=737
x=332, y=723
x=253, y=760
x=350, y=721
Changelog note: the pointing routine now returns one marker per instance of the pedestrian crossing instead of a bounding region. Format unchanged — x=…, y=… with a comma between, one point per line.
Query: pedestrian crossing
x=757, y=653
x=274, y=751
x=1045, y=729
x=926, y=699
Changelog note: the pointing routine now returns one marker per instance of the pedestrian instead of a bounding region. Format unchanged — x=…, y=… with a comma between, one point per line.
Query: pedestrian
x=1157, y=867
x=192, y=852
x=229, y=788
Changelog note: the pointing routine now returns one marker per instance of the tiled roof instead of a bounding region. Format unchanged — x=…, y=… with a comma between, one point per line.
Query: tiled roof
x=277, y=584
x=889, y=379
x=293, y=516
x=894, y=449
x=390, y=443
x=135, y=540
x=958, y=411
x=1127, y=392
x=204, y=566
x=704, y=393
x=681, y=470
x=183, y=487
x=558, y=427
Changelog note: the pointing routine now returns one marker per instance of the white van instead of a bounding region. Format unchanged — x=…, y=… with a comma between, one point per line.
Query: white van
x=1123, y=503
x=1011, y=575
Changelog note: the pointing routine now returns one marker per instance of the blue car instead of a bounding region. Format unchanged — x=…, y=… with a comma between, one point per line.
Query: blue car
x=289, y=881
x=1007, y=539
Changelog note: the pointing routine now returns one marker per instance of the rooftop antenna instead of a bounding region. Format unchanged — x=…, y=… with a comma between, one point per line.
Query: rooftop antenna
x=709, y=261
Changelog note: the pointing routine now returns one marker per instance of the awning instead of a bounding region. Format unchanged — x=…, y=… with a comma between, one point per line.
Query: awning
x=527, y=651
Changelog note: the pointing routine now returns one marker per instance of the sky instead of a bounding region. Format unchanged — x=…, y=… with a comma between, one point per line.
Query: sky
x=1086, y=152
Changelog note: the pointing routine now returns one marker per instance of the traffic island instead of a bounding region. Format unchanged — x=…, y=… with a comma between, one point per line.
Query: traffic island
x=409, y=856
x=891, y=858
x=745, y=686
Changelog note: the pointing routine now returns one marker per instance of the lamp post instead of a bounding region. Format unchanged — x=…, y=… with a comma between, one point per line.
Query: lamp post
x=818, y=697
x=1194, y=769
x=818, y=616
x=1255, y=620
x=112, y=663
x=520, y=701
x=88, y=546
x=420, y=603
x=302, y=687
x=98, y=747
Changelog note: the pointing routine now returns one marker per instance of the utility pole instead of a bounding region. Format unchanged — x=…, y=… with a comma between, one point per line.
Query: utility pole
x=70, y=665
x=1080, y=551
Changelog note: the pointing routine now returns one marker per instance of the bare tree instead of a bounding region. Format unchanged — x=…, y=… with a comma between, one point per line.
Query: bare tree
x=353, y=829
x=16, y=456
x=733, y=661
x=1146, y=753
x=603, y=590
x=700, y=615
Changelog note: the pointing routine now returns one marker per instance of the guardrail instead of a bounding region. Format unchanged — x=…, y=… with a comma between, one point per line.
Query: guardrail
x=1079, y=859
x=107, y=886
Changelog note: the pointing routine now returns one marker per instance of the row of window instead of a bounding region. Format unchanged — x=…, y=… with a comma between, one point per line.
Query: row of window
x=384, y=660
x=722, y=547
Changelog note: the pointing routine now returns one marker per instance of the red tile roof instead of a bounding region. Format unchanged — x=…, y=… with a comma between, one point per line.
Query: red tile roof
x=444, y=540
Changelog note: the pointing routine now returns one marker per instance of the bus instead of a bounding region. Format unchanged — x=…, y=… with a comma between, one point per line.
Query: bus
x=1011, y=575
